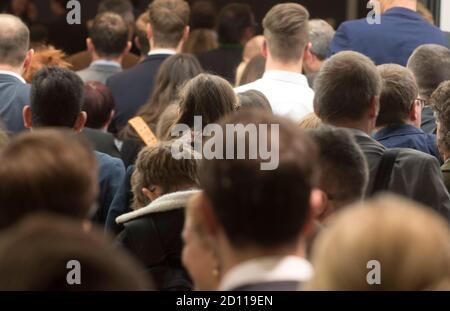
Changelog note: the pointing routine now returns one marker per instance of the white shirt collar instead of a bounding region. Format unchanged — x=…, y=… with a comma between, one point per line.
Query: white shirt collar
x=286, y=76
x=13, y=74
x=162, y=51
x=267, y=269
x=104, y=62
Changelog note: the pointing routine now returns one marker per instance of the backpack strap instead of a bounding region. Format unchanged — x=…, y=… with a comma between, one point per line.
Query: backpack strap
x=384, y=172
x=144, y=131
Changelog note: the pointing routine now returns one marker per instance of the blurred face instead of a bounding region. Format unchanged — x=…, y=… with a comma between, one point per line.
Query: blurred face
x=199, y=258
x=19, y=6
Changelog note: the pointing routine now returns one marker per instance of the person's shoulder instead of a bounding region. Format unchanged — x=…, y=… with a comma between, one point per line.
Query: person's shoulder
x=109, y=162
x=415, y=157
x=256, y=85
x=353, y=25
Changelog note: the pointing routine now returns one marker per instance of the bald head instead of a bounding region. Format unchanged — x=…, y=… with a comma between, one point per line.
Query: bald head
x=14, y=40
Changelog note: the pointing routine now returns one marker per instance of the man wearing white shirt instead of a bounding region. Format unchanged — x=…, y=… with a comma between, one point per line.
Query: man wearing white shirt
x=167, y=31
x=108, y=43
x=286, y=46
x=15, y=59
x=259, y=220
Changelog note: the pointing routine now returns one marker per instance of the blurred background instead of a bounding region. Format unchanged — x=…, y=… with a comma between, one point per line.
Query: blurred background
x=46, y=13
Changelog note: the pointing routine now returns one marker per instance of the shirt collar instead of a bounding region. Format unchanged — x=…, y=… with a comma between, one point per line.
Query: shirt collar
x=13, y=74
x=286, y=76
x=162, y=51
x=104, y=62
x=267, y=269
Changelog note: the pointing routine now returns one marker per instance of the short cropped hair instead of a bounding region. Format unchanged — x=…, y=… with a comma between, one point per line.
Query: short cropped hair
x=14, y=40
x=430, y=64
x=35, y=253
x=109, y=34
x=246, y=200
x=343, y=170
x=233, y=20
x=440, y=102
x=345, y=87
x=320, y=34
x=56, y=98
x=286, y=31
x=398, y=93
x=122, y=7
x=47, y=170
x=156, y=166
x=98, y=104
x=169, y=19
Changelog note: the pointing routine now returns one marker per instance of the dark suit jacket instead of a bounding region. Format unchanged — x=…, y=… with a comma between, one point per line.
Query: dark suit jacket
x=82, y=60
x=14, y=96
x=415, y=175
x=121, y=203
x=401, y=31
x=102, y=142
x=132, y=89
x=111, y=175
x=408, y=136
x=223, y=61
x=428, y=120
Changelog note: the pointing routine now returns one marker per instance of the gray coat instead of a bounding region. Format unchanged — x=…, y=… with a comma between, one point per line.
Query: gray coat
x=416, y=175
x=98, y=72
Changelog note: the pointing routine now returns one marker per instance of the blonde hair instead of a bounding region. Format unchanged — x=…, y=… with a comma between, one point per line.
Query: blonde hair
x=310, y=122
x=411, y=243
x=46, y=57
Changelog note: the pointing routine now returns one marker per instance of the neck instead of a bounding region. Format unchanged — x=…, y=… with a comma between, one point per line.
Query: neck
x=407, y=4
x=17, y=70
x=232, y=257
x=176, y=49
x=96, y=57
x=362, y=125
x=272, y=64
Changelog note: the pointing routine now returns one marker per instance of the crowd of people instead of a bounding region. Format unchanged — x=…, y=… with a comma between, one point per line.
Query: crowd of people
x=89, y=173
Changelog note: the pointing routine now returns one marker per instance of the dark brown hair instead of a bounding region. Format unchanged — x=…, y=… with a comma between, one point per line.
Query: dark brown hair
x=208, y=96
x=247, y=199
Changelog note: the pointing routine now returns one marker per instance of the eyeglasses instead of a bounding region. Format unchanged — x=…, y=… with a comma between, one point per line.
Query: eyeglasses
x=422, y=102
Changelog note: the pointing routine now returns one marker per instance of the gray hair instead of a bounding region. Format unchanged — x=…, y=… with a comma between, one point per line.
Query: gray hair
x=345, y=87
x=320, y=34
x=430, y=64
x=14, y=40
